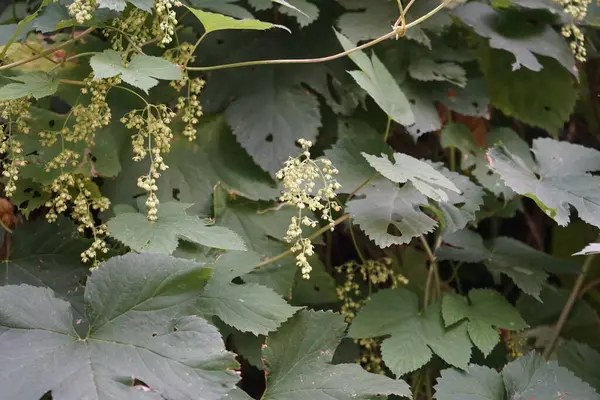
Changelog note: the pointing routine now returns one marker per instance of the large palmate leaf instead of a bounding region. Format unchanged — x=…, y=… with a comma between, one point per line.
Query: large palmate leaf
x=425, y=178
x=396, y=207
x=161, y=236
x=427, y=69
x=578, y=358
x=119, y=5
x=459, y=209
x=413, y=335
x=194, y=169
x=474, y=157
x=491, y=24
x=528, y=377
x=377, y=81
x=271, y=116
x=427, y=117
x=516, y=93
x=216, y=22
x=485, y=311
x=247, y=307
x=142, y=71
x=48, y=255
x=527, y=267
x=298, y=363
x=560, y=178
x=140, y=328
x=35, y=84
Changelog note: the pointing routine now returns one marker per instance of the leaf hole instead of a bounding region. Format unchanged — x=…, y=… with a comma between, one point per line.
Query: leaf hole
x=412, y=101
x=547, y=108
x=220, y=41
x=489, y=172
x=94, y=159
x=269, y=138
x=176, y=193
x=51, y=123
x=154, y=334
x=317, y=288
x=475, y=104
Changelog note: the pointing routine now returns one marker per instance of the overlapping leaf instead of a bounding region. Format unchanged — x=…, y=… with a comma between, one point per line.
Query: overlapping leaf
x=396, y=207
x=517, y=94
x=161, y=236
x=141, y=328
x=423, y=176
x=247, y=307
x=579, y=359
x=528, y=377
x=213, y=22
x=48, y=255
x=545, y=42
x=413, y=335
x=35, y=84
x=560, y=178
x=527, y=267
x=142, y=71
x=474, y=157
x=298, y=362
x=485, y=311
x=377, y=81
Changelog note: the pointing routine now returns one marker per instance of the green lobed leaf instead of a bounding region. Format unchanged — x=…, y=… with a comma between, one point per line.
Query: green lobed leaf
x=247, y=307
x=523, y=45
x=396, y=207
x=486, y=311
x=173, y=223
x=528, y=377
x=413, y=335
x=213, y=22
x=142, y=71
x=298, y=363
x=427, y=69
x=459, y=209
x=377, y=81
x=423, y=176
x=560, y=178
x=579, y=359
x=140, y=328
x=35, y=84
x=48, y=255
x=517, y=94
x=527, y=267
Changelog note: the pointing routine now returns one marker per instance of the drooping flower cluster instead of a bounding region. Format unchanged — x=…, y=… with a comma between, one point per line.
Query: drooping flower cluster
x=153, y=140
x=82, y=10
x=577, y=10
x=192, y=110
x=15, y=115
x=131, y=27
x=66, y=189
x=300, y=177
x=165, y=20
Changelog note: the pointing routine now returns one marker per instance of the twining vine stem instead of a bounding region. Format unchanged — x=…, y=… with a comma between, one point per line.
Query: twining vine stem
x=564, y=315
x=432, y=275
x=394, y=32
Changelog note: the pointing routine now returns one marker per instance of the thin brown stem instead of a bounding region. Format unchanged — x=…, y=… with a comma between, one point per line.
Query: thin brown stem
x=323, y=59
x=564, y=315
x=47, y=51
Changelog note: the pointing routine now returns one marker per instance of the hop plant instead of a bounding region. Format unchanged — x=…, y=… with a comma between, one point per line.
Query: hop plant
x=300, y=176
x=130, y=26
x=577, y=10
x=15, y=116
x=165, y=20
x=82, y=10
x=153, y=140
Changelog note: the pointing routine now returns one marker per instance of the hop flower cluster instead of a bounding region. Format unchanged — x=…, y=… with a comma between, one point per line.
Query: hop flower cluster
x=516, y=343
x=153, y=140
x=191, y=107
x=131, y=26
x=577, y=10
x=373, y=273
x=63, y=189
x=82, y=10
x=15, y=115
x=300, y=177
x=165, y=20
